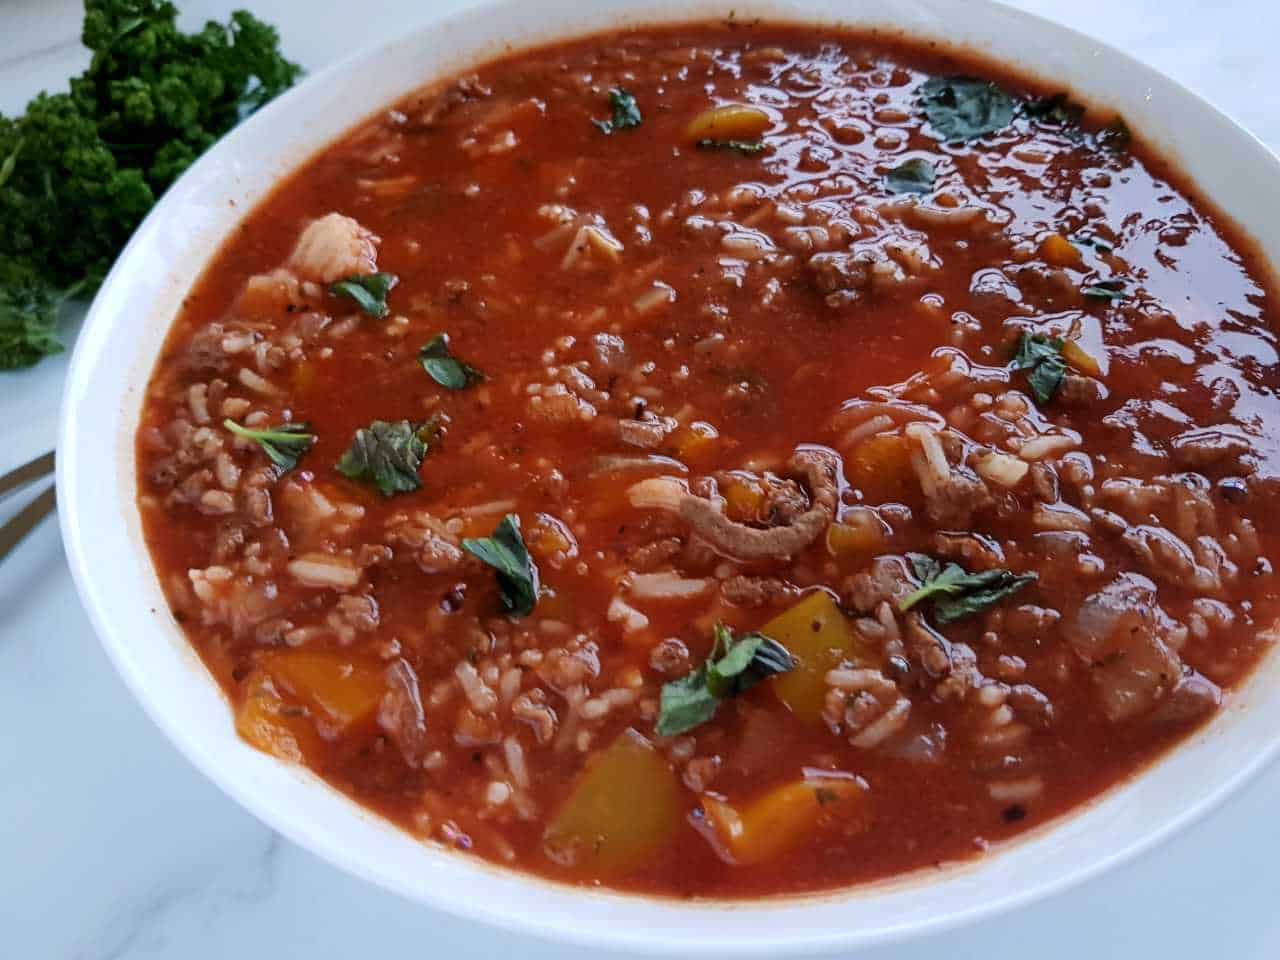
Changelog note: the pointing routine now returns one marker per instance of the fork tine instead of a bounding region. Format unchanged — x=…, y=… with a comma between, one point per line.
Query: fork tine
x=26, y=520
x=27, y=473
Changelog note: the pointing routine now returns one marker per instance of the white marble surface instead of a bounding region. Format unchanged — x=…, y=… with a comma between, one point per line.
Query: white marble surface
x=112, y=846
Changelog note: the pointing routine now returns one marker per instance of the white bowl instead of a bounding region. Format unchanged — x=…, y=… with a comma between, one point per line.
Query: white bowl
x=100, y=524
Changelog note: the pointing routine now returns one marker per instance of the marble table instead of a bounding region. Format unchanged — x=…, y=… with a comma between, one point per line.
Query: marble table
x=112, y=847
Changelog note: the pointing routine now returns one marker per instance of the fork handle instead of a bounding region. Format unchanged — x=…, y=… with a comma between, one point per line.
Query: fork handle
x=26, y=520
x=27, y=473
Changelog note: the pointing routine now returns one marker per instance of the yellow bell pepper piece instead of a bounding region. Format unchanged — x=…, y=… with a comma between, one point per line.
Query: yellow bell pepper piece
x=340, y=689
x=695, y=441
x=265, y=721
x=880, y=468
x=733, y=121
x=819, y=636
x=780, y=820
x=1057, y=251
x=860, y=535
x=1076, y=356
x=623, y=810
x=743, y=499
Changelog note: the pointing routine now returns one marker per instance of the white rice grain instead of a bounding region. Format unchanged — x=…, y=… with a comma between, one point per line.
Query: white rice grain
x=324, y=570
x=479, y=695
x=256, y=382
x=514, y=755
x=665, y=585
x=1049, y=445
x=1016, y=791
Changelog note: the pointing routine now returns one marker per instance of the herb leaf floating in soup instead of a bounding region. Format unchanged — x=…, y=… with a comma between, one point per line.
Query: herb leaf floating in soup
x=1041, y=358
x=443, y=367
x=284, y=445
x=388, y=455
x=913, y=176
x=626, y=112
x=368, y=291
x=735, y=665
x=957, y=594
x=1086, y=239
x=965, y=108
x=1104, y=290
x=1057, y=109
x=517, y=573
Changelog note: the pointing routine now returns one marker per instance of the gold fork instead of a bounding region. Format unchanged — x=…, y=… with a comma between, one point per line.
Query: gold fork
x=29, y=517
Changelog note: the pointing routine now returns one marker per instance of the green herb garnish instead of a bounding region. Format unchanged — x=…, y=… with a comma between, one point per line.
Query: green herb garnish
x=1085, y=239
x=747, y=147
x=79, y=170
x=388, y=455
x=734, y=666
x=443, y=367
x=626, y=112
x=369, y=291
x=957, y=594
x=284, y=445
x=28, y=315
x=1114, y=136
x=913, y=176
x=1041, y=358
x=1104, y=290
x=1056, y=109
x=965, y=108
x=517, y=573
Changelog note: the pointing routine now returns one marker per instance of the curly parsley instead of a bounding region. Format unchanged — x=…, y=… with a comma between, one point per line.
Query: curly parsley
x=79, y=170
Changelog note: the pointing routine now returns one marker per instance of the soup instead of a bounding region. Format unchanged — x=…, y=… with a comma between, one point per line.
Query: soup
x=722, y=460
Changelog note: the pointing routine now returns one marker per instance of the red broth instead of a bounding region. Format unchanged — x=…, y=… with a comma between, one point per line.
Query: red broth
x=895, y=456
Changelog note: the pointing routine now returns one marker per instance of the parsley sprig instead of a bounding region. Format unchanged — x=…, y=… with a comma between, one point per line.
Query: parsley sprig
x=80, y=169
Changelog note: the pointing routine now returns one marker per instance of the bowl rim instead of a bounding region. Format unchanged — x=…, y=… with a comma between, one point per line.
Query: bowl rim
x=79, y=497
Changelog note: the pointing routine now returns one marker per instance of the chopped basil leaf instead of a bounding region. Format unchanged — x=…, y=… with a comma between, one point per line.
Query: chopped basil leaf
x=284, y=445
x=747, y=147
x=626, y=112
x=517, y=573
x=369, y=291
x=686, y=703
x=965, y=108
x=734, y=666
x=1105, y=290
x=443, y=367
x=747, y=660
x=388, y=455
x=1041, y=358
x=914, y=176
x=1056, y=109
x=957, y=594
x=1084, y=239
